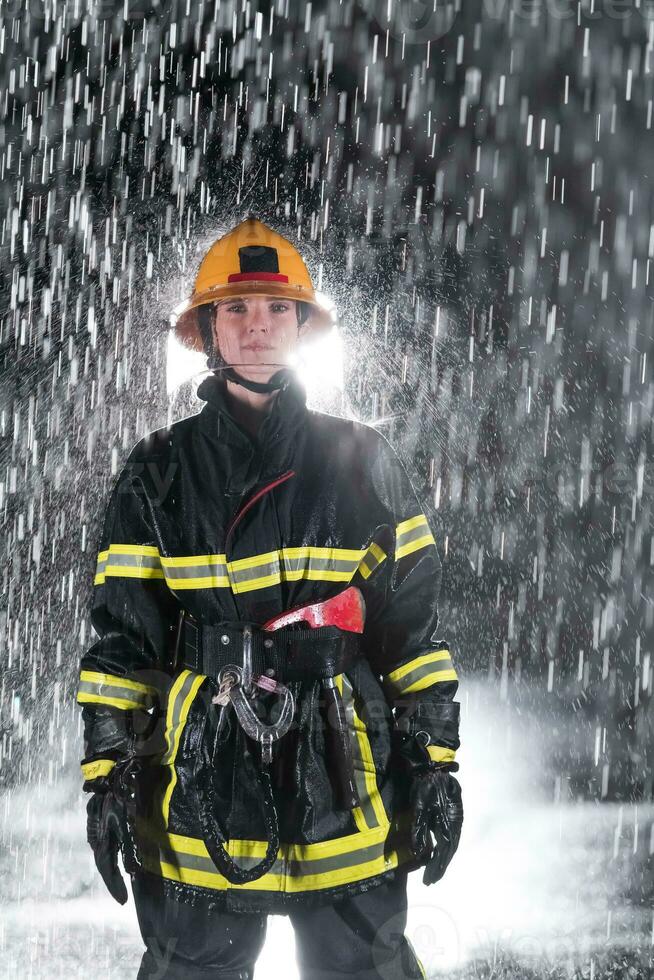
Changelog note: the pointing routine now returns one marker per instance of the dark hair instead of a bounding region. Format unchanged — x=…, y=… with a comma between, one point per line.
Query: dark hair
x=303, y=311
x=205, y=326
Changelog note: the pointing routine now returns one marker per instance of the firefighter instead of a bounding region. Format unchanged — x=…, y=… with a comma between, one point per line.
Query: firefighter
x=269, y=714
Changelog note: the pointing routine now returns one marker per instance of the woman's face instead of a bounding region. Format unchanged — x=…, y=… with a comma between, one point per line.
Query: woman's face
x=258, y=331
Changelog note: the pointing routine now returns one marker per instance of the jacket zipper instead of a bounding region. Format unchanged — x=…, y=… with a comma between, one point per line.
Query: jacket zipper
x=250, y=503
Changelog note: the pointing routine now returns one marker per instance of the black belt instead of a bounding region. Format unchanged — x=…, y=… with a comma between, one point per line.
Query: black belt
x=285, y=654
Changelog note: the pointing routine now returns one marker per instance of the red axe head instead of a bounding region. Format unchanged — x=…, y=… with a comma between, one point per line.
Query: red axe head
x=347, y=610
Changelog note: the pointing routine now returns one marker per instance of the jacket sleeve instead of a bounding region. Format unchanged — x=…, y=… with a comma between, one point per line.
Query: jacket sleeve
x=401, y=639
x=132, y=611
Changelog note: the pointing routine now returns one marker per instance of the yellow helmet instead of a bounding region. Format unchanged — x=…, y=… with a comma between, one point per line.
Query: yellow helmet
x=250, y=260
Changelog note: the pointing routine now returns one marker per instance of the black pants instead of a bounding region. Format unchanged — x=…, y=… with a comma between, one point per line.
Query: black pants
x=359, y=936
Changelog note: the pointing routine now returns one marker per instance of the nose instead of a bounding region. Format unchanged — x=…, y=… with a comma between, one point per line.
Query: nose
x=257, y=320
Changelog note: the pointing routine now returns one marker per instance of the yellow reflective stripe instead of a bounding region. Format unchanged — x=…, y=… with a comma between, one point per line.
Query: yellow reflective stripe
x=99, y=767
x=369, y=771
x=270, y=882
x=186, y=859
x=293, y=554
x=114, y=680
x=185, y=560
x=438, y=753
x=139, y=550
x=318, y=564
x=420, y=673
x=404, y=526
x=202, y=582
x=117, y=692
x=123, y=703
x=371, y=560
x=310, y=574
x=284, y=565
x=254, y=561
x=370, y=775
x=120, y=571
x=291, y=565
x=181, y=695
x=426, y=658
x=258, y=583
x=430, y=679
x=416, y=957
x=412, y=535
x=329, y=879
x=312, y=551
x=290, y=555
x=416, y=545
x=318, y=574
x=129, y=561
x=210, y=572
x=357, y=811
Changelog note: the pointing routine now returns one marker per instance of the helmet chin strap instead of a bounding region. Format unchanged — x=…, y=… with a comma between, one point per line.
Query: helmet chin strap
x=278, y=380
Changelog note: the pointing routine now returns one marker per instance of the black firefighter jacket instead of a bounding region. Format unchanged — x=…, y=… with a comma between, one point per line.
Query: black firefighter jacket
x=235, y=529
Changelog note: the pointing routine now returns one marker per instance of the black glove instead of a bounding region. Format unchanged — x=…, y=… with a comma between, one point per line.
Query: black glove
x=105, y=816
x=436, y=806
x=106, y=826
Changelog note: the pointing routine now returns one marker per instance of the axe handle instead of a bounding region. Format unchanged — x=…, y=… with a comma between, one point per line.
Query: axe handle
x=337, y=740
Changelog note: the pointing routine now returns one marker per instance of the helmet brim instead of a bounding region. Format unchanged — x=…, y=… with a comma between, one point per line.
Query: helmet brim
x=184, y=319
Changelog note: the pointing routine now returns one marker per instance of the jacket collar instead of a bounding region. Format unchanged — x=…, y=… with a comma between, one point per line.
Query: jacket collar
x=275, y=437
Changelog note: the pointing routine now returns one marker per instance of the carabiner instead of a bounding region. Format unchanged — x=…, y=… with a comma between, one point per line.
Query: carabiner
x=232, y=690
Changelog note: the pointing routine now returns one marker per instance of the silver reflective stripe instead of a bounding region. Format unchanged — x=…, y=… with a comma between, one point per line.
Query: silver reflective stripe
x=294, y=566
x=198, y=862
x=163, y=851
x=255, y=571
x=413, y=534
x=198, y=570
x=119, y=560
x=337, y=861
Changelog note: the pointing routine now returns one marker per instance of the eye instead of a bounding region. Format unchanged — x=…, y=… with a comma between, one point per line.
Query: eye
x=235, y=307
x=282, y=307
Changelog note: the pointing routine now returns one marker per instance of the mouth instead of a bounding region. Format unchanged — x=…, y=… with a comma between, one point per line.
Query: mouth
x=257, y=347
